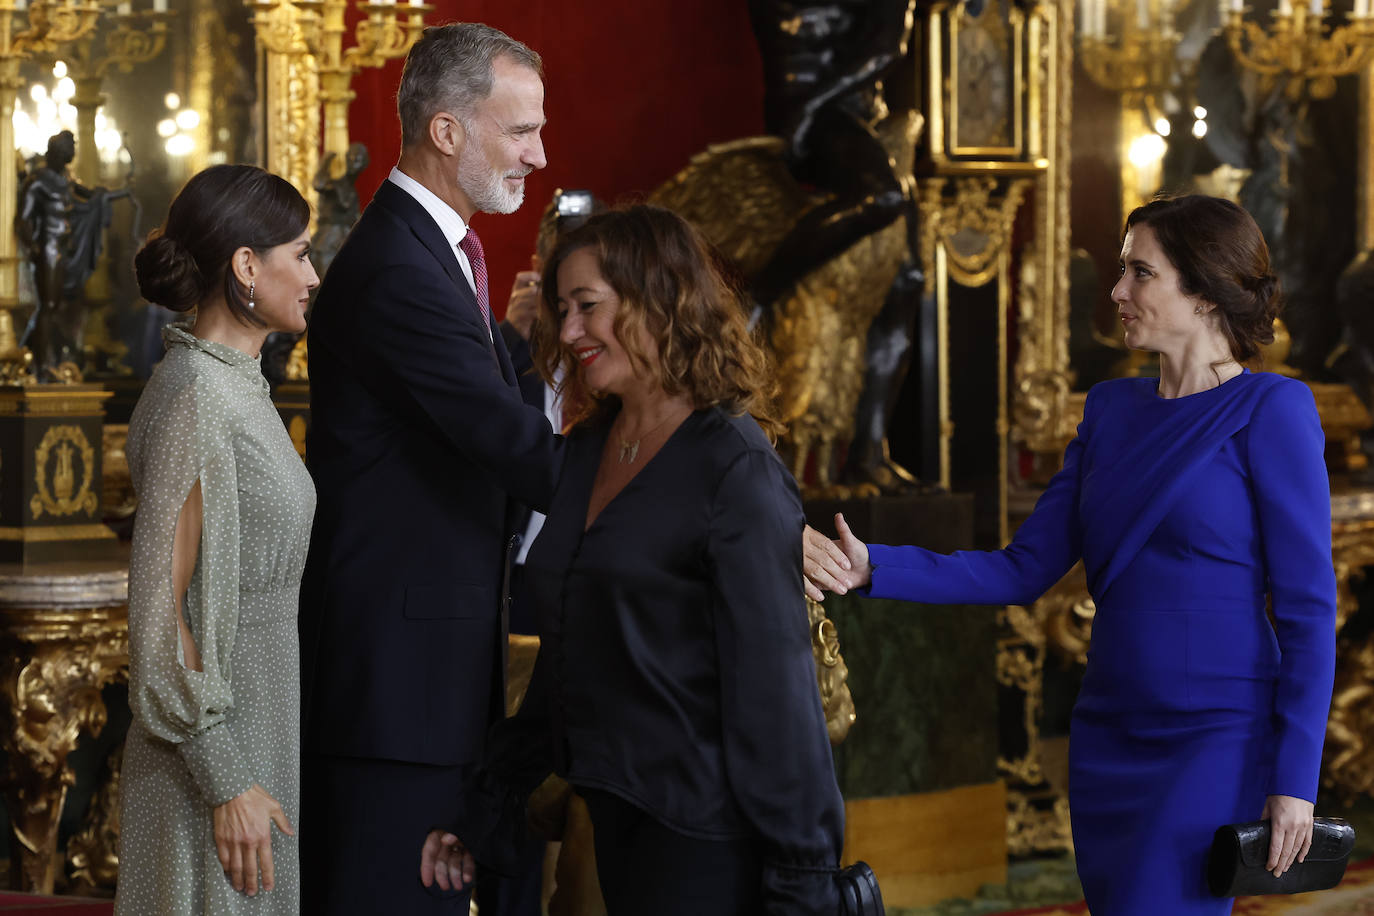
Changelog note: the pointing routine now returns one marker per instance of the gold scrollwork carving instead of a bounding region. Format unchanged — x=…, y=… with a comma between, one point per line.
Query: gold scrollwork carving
x=1035, y=828
x=53, y=665
x=1060, y=622
x=973, y=227
x=831, y=674
x=93, y=852
x=1348, y=759
x=65, y=497
x=116, y=483
x=1348, y=764
x=289, y=32
x=1042, y=376
x=1038, y=410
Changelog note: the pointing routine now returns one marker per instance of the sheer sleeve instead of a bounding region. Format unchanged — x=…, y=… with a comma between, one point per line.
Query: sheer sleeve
x=1293, y=500
x=1044, y=548
x=187, y=441
x=777, y=753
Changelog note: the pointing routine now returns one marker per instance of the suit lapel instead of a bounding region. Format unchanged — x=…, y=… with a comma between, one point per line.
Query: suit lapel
x=427, y=231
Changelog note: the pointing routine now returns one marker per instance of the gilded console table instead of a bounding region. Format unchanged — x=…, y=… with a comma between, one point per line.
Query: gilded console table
x=63, y=637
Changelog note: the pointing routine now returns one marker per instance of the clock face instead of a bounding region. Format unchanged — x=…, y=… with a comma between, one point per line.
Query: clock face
x=984, y=94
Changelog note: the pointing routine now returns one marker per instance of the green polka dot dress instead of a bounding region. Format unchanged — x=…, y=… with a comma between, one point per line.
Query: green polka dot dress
x=200, y=738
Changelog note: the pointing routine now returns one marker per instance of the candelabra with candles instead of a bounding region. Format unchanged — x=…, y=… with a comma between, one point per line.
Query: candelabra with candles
x=1138, y=59
x=289, y=28
x=137, y=37
x=386, y=32
x=380, y=37
x=1297, y=46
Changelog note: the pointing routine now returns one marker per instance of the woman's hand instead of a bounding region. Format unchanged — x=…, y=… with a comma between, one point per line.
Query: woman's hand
x=1290, y=831
x=523, y=306
x=243, y=838
x=837, y=565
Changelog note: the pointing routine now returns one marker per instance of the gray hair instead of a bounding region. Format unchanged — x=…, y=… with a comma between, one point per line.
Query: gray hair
x=450, y=69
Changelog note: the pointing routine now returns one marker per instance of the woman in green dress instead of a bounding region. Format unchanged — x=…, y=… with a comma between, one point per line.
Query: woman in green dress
x=225, y=506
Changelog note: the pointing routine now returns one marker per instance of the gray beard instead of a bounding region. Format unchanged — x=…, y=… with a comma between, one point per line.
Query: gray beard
x=485, y=186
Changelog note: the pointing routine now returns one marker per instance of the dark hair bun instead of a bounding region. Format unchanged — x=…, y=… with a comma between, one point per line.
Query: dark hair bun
x=168, y=275
x=1265, y=289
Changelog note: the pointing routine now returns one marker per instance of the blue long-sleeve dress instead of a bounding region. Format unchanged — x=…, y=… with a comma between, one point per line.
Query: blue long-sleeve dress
x=1187, y=513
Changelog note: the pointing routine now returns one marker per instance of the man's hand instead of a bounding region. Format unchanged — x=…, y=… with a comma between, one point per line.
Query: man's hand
x=523, y=306
x=243, y=838
x=443, y=858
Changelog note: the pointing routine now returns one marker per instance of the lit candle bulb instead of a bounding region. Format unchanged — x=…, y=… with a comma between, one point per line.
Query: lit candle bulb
x=1285, y=8
x=159, y=6
x=21, y=5
x=1361, y=7
x=125, y=9
x=1142, y=13
x=1315, y=7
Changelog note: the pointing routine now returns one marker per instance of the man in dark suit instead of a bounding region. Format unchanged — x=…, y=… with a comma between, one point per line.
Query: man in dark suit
x=419, y=446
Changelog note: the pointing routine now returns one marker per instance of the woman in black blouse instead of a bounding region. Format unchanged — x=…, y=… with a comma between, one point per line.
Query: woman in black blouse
x=675, y=670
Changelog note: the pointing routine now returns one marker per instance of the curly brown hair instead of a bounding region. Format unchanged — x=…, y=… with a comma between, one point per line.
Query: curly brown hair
x=1221, y=258
x=670, y=289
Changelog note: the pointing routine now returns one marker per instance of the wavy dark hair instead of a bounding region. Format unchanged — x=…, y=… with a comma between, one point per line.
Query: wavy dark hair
x=220, y=210
x=670, y=289
x=1221, y=257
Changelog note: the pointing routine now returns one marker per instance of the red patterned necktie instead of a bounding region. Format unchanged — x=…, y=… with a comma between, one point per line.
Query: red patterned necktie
x=472, y=247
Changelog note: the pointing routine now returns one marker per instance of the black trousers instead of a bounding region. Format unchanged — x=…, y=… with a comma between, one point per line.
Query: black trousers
x=648, y=868
x=362, y=825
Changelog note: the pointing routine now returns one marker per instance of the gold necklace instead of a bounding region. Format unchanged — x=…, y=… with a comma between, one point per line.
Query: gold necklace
x=629, y=448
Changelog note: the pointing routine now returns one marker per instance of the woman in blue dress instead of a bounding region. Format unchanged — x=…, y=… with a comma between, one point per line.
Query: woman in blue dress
x=1191, y=499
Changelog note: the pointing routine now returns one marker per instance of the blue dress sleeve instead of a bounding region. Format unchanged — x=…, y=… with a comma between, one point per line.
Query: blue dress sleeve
x=1293, y=501
x=1044, y=548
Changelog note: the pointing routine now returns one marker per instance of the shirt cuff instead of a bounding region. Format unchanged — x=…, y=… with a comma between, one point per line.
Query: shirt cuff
x=216, y=764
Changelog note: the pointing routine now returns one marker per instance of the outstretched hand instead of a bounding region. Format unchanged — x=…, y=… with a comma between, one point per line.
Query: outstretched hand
x=446, y=860
x=835, y=566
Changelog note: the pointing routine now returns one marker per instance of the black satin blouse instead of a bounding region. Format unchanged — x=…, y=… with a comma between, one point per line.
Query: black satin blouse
x=676, y=665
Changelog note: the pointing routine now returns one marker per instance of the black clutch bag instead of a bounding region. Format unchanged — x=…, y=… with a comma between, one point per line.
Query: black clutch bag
x=1235, y=866
x=859, y=894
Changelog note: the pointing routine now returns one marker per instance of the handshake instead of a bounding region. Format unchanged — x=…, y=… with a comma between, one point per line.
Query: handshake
x=834, y=566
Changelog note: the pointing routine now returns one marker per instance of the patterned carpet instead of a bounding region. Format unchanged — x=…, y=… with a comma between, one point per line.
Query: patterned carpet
x=30, y=905
x=1354, y=897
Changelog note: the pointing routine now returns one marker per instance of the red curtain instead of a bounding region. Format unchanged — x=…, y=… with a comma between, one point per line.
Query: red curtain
x=633, y=90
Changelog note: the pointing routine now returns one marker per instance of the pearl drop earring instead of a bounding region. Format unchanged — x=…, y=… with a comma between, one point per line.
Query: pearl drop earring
x=252, y=286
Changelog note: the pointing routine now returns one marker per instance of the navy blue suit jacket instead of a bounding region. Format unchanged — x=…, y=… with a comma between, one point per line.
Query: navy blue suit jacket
x=419, y=446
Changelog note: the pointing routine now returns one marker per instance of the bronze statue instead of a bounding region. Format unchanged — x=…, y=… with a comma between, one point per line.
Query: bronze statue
x=824, y=224
x=338, y=207
x=285, y=356
x=61, y=225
